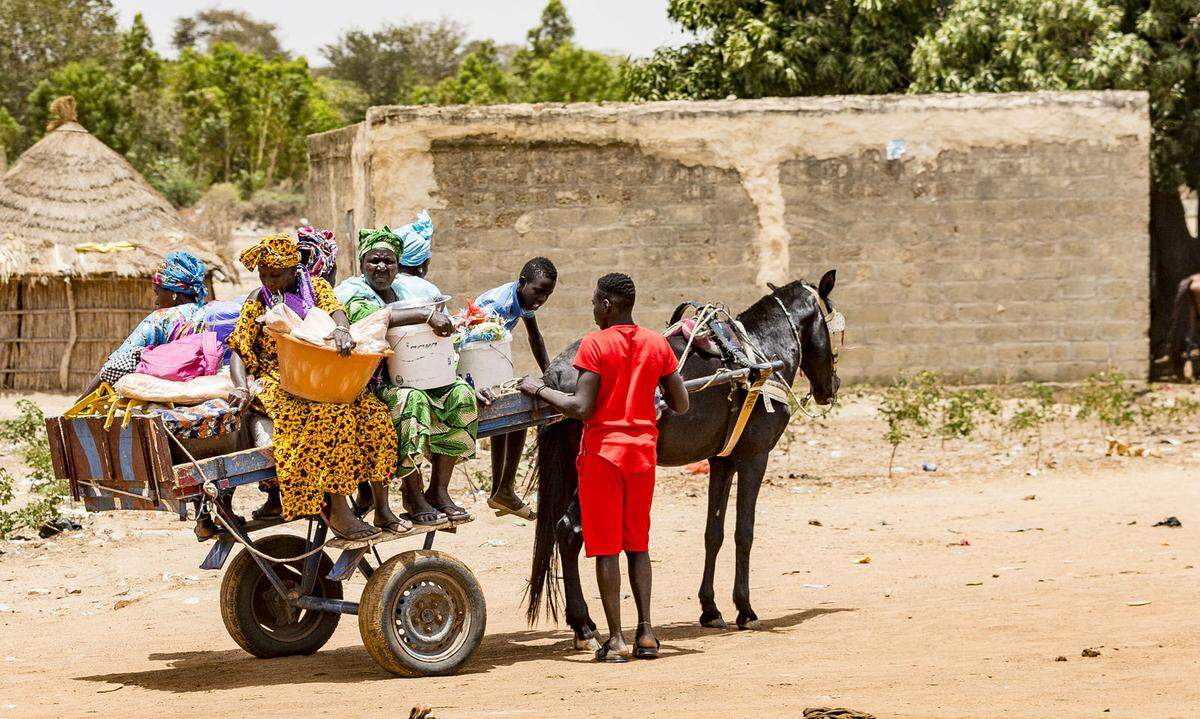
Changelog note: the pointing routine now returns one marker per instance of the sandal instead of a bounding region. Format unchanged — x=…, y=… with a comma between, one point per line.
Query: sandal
x=608, y=655
x=524, y=511
x=267, y=513
x=640, y=652
x=397, y=526
x=367, y=532
x=452, y=511
x=425, y=519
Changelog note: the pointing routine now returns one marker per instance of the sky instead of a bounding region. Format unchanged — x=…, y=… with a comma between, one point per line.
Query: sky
x=632, y=27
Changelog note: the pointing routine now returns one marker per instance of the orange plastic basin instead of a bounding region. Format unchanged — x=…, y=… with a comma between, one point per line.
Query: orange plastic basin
x=320, y=374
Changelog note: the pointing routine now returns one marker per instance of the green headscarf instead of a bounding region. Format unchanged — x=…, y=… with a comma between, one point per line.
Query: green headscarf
x=372, y=239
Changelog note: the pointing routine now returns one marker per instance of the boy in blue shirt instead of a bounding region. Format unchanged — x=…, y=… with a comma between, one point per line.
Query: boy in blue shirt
x=512, y=302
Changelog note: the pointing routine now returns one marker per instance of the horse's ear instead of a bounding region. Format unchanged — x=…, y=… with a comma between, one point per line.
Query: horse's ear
x=826, y=285
x=772, y=286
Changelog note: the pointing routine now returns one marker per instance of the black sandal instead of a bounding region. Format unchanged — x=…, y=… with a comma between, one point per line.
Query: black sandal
x=452, y=511
x=640, y=652
x=397, y=526
x=608, y=655
x=425, y=519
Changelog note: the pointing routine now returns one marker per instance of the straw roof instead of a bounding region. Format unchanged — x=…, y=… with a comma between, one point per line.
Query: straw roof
x=70, y=189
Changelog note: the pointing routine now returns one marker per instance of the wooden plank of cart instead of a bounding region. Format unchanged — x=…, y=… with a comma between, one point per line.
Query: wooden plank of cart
x=422, y=612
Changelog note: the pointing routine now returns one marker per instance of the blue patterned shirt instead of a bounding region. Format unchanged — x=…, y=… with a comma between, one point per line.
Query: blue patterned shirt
x=504, y=303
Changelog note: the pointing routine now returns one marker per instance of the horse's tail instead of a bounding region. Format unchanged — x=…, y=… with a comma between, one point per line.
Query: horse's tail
x=557, y=446
x=1178, y=317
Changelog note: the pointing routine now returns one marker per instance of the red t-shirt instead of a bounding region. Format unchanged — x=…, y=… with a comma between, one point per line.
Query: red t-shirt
x=630, y=360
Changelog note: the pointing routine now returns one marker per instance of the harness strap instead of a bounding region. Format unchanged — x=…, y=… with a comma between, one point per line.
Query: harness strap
x=744, y=415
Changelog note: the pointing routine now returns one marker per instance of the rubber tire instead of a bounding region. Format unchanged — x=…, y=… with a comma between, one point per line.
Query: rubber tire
x=383, y=644
x=237, y=595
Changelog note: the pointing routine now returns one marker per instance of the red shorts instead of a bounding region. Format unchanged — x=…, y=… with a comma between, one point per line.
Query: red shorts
x=615, y=504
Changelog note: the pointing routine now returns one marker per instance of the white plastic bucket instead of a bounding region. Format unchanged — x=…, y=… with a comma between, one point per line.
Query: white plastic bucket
x=420, y=358
x=486, y=364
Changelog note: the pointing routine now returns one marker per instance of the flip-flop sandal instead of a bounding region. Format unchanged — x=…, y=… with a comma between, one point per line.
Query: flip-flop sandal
x=453, y=512
x=607, y=655
x=524, y=511
x=273, y=513
x=640, y=652
x=359, y=535
x=397, y=526
x=426, y=519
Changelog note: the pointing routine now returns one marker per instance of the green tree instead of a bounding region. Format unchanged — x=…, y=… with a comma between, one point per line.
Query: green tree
x=100, y=97
x=37, y=37
x=480, y=80
x=11, y=134
x=761, y=48
x=1172, y=30
x=209, y=27
x=554, y=29
x=389, y=62
x=1022, y=45
x=572, y=74
x=345, y=97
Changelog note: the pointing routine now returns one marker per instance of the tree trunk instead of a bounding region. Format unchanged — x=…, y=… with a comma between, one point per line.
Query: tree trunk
x=1174, y=254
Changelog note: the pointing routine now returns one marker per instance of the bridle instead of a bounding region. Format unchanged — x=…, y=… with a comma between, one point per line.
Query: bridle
x=831, y=317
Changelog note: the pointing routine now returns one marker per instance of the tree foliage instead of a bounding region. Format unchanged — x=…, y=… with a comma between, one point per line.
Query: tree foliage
x=388, y=63
x=1172, y=30
x=1023, y=45
x=480, y=80
x=762, y=48
x=37, y=37
x=207, y=28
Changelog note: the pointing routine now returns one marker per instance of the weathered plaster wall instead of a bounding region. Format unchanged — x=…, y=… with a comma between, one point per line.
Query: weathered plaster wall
x=1009, y=240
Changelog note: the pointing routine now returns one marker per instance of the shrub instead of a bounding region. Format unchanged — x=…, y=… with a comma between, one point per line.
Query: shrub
x=962, y=411
x=27, y=433
x=1107, y=397
x=1031, y=414
x=907, y=407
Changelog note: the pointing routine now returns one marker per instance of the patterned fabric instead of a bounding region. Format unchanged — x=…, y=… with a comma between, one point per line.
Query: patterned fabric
x=301, y=298
x=435, y=421
x=274, y=251
x=373, y=239
x=321, y=249
x=427, y=422
x=184, y=273
x=504, y=303
x=318, y=447
x=208, y=419
x=418, y=240
x=120, y=363
x=162, y=326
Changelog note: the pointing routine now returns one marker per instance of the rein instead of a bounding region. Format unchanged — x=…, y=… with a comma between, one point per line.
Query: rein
x=830, y=318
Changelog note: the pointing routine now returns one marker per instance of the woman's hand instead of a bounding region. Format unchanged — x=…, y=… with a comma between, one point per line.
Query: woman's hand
x=441, y=324
x=342, y=341
x=239, y=399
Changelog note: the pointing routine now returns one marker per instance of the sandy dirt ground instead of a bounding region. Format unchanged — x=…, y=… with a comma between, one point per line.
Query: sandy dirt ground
x=981, y=575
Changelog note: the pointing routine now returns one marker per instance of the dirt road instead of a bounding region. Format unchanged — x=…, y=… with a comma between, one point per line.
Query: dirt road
x=980, y=576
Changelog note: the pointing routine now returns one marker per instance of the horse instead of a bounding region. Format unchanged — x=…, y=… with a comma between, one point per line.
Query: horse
x=788, y=324
x=1185, y=318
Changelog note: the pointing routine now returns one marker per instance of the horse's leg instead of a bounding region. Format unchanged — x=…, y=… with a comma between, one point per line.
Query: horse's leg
x=750, y=470
x=569, y=534
x=720, y=478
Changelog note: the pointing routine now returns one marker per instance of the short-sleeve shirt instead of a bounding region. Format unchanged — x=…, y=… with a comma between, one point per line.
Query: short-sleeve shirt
x=408, y=287
x=631, y=361
x=504, y=302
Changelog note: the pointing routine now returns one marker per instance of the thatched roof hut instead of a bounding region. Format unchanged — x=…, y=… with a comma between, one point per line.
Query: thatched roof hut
x=81, y=233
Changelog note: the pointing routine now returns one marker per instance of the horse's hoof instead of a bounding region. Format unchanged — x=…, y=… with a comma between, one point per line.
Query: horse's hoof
x=591, y=644
x=748, y=621
x=713, y=621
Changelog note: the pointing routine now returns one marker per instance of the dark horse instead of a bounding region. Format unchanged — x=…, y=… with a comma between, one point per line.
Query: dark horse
x=787, y=324
x=1185, y=325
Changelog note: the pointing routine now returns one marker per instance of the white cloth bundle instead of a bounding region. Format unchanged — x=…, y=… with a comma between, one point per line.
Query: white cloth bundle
x=194, y=391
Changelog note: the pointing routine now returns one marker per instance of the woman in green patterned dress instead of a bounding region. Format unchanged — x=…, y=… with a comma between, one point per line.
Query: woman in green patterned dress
x=438, y=424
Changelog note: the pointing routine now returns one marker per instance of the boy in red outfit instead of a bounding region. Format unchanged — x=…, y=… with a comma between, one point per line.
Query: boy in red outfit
x=620, y=367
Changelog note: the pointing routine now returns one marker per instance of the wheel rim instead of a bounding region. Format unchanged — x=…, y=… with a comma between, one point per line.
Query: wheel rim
x=274, y=615
x=430, y=616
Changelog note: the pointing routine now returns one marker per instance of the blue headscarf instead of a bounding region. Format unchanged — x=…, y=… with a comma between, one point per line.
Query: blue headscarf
x=182, y=272
x=418, y=238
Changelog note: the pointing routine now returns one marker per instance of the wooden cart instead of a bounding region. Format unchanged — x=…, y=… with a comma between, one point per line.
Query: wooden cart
x=422, y=612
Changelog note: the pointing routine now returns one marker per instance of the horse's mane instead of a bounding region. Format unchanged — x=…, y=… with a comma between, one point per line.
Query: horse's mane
x=757, y=312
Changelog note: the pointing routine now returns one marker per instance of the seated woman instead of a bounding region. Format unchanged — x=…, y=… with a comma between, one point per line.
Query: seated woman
x=439, y=424
x=320, y=449
x=179, y=295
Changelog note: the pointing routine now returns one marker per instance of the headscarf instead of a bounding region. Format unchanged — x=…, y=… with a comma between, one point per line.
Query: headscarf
x=322, y=249
x=418, y=238
x=274, y=251
x=280, y=252
x=182, y=272
x=372, y=239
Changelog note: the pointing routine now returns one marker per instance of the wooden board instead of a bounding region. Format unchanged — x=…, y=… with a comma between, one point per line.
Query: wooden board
x=512, y=412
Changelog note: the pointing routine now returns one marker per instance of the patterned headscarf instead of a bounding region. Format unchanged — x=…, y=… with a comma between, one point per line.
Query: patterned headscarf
x=371, y=239
x=184, y=273
x=275, y=251
x=418, y=240
x=322, y=249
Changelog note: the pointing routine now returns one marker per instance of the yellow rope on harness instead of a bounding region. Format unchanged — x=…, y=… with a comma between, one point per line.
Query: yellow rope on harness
x=744, y=415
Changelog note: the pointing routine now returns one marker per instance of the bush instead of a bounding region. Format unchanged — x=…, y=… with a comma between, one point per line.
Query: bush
x=175, y=181
x=1031, y=414
x=1107, y=397
x=963, y=409
x=27, y=433
x=907, y=407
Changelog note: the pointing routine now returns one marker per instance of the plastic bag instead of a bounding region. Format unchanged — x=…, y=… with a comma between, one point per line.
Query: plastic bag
x=155, y=389
x=196, y=355
x=281, y=318
x=315, y=328
x=370, y=333
x=222, y=316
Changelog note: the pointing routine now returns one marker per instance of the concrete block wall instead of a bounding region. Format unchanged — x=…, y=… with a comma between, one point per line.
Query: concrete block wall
x=1007, y=241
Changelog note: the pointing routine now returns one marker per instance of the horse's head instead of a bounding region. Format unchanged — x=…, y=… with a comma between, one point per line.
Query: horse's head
x=809, y=315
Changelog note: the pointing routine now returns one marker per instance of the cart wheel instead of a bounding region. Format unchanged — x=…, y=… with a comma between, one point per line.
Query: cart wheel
x=259, y=619
x=422, y=614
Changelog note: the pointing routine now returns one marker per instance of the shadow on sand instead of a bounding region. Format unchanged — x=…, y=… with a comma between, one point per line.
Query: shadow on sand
x=205, y=671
